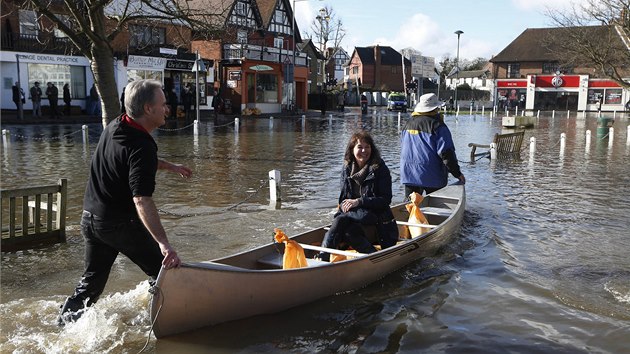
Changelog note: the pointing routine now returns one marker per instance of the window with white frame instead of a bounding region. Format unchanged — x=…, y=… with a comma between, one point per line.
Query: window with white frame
x=241, y=36
x=28, y=22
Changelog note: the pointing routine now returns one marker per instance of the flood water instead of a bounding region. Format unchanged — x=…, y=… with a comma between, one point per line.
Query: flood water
x=541, y=263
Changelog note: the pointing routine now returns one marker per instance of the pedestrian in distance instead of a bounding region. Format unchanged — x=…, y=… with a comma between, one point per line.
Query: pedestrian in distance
x=36, y=97
x=52, y=93
x=94, y=108
x=366, y=192
x=323, y=102
x=119, y=214
x=122, y=100
x=18, y=95
x=186, y=98
x=67, y=99
x=427, y=153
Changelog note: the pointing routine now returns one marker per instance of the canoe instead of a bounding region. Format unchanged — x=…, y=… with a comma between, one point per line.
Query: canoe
x=252, y=282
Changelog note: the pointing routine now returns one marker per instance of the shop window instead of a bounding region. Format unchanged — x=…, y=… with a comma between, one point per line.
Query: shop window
x=262, y=88
x=514, y=71
x=133, y=75
x=59, y=75
x=595, y=95
x=612, y=96
x=146, y=35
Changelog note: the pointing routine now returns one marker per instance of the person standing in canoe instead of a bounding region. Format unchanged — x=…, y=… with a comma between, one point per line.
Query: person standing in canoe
x=366, y=192
x=427, y=151
x=119, y=213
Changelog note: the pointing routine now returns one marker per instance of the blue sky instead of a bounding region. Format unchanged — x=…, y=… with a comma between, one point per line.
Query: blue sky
x=429, y=25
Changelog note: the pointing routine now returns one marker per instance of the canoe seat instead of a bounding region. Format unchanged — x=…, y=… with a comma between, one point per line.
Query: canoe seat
x=436, y=211
x=274, y=260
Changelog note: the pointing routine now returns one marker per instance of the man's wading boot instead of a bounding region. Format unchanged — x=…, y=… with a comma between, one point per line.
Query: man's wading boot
x=71, y=311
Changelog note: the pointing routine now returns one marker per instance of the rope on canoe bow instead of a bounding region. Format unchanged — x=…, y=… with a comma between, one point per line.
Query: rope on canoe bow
x=153, y=290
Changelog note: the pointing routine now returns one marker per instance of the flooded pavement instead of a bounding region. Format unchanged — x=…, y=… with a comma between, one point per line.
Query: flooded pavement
x=540, y=265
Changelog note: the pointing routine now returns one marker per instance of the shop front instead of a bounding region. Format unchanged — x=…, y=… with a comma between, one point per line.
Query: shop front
x=560, y=92
x=174, y=74
x=28, y=68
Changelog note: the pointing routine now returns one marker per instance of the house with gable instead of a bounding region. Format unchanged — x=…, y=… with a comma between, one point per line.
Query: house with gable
x=377, y=71
x=315, y=61
x=259, y=64
x=528, y=74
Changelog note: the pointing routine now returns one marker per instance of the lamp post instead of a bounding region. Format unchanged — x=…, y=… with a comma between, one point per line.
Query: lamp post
x=198, y=67
x=458, y=33
x=323, y=35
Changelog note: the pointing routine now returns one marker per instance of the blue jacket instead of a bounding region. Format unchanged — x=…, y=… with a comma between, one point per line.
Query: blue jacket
x=376, y=195
x=427, y=153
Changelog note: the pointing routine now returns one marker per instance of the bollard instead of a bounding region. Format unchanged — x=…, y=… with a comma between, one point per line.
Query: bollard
x=483, y=110
x=553, y=114
x=470, y=111
x=274, y=185
x=515, y=111
x=614, y=114
x=236, y=125
x=567, y=114
x=493, y=151
x=195, y=127
x=611, y=135
x=628, y=136
x=538, y=114
x=330, y=117
x=532, y=146
x=587, y=146
x=563, y=142
x=6, y=137
x=86, y=137
x=270, y=117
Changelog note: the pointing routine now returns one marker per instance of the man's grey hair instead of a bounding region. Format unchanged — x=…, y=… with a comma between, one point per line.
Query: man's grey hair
x=137, y=94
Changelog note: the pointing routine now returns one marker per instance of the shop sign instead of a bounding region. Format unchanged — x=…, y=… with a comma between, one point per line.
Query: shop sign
x=179, y=65
x=141, y=62
x=50, y=59
x=512, y=83
x=235, y=75
x=556, y=81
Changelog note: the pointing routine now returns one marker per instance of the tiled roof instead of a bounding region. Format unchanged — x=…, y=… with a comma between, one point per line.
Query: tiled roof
x=536, y=44
x=389, y=56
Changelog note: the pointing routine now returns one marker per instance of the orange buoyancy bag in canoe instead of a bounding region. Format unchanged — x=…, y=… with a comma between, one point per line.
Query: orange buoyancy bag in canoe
x=293, y=253
x=416, y=216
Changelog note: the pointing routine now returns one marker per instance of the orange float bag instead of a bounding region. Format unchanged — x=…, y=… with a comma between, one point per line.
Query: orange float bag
x=416, y=216
x=293, y=253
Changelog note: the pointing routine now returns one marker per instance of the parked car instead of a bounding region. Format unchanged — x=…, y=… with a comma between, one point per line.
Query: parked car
x=397, y=102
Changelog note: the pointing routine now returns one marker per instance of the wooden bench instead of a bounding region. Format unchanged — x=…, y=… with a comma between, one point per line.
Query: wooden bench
x=33, y=216
x=504, y=145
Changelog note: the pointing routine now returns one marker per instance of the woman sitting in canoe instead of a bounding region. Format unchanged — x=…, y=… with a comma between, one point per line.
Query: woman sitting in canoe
x=366, y=192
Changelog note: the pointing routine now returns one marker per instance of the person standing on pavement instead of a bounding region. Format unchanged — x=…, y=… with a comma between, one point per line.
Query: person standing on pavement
x=36, y=97
x=67, y=99
x=52, y=92
x=18, y=95
x=119, y=213
x=427, y=150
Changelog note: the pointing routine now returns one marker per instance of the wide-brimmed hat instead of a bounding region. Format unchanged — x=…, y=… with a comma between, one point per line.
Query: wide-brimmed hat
x=427, y=103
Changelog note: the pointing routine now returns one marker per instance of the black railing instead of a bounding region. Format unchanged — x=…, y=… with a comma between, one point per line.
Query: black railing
x=41, y=43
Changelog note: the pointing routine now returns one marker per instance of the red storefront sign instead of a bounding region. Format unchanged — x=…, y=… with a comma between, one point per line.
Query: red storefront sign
x=602, y=83
x=568, y=81
x=512, y=83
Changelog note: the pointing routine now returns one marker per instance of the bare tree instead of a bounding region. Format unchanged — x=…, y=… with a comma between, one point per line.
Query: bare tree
x=92, y=26
x=595, y=34
x=327, y=27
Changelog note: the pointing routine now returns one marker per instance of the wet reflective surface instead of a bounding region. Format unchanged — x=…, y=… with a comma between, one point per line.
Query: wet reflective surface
x=540, y=266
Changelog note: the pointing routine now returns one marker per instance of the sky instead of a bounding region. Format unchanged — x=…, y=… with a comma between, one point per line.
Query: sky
x=429, y=25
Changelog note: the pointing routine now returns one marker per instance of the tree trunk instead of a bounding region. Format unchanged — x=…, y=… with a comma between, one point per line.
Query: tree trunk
x=103, y=68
